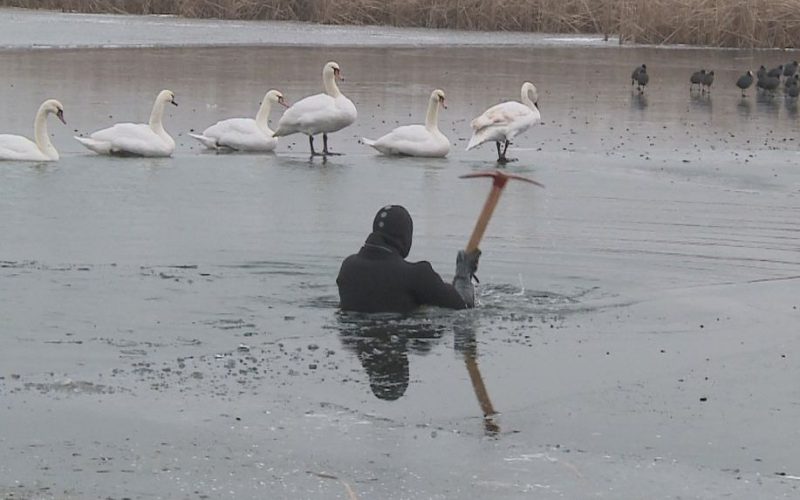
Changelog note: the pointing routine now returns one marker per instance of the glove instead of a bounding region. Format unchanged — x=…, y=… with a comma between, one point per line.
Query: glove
x=466, y=266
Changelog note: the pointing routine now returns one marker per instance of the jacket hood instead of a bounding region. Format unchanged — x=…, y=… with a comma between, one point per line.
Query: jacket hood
x=393, y=223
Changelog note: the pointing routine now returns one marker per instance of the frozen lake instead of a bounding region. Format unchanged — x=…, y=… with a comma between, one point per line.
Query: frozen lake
x=169, y=327
x=33, y=29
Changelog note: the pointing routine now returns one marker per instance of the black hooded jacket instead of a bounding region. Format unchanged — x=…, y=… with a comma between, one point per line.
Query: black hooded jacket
x=378, y=278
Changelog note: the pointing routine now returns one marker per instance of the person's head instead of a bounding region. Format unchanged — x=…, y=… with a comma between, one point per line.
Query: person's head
x=394, y=223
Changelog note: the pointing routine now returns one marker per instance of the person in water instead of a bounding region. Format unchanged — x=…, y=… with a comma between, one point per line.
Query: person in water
x=379, y=279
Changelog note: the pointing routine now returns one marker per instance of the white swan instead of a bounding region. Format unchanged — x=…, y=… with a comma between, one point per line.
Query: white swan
x=320, y=113
x=417, y=140
x=506, y=120
x=16, y=147
x=135, y=139
x=244, y=134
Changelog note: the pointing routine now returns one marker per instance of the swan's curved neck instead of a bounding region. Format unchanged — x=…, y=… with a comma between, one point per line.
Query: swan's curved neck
x=156, y=116
x=262, y=116
x=432, y=118
x=41, y=136
x=329, y=79
x=526, y=98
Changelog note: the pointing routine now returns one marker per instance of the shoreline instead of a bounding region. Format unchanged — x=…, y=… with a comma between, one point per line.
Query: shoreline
x=650, y=22
x=19, y=27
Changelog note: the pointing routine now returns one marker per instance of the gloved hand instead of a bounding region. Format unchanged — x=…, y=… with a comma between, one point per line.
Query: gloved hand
x=466, y=266
x=467, y=263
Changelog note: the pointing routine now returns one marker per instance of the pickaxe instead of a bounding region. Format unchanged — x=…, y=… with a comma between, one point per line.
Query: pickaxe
x=500, y=180
x=471, y=359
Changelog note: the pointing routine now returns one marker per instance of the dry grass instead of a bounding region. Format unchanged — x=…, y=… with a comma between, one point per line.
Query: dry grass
x=719, y=23
x=724, y=23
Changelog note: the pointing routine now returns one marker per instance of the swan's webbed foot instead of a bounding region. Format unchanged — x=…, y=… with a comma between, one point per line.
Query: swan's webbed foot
x=325, y=150
x=501, y=153
x=504, y=159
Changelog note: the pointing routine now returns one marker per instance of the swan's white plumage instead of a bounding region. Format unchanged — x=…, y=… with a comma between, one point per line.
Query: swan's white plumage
x=506, y=120
x=18, y=148
x=244, y=134
x=416, y=140
x=135, y=139
x=319, y=113
x=410, y=140
x=240, y=134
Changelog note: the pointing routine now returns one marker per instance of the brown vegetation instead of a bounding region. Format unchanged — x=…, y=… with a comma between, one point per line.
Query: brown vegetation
x=724, y=23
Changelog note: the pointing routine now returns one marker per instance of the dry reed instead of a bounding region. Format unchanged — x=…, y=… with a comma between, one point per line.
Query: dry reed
x=720, y=23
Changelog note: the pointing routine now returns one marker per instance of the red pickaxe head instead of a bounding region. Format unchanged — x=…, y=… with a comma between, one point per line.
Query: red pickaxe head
x=499, y=182
x=500, y=178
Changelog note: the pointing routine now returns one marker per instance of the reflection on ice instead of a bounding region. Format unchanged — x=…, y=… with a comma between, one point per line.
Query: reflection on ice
x=382, y=344
x=744, y=107
x=638, y=101
x=701, y=102
x=465, y=330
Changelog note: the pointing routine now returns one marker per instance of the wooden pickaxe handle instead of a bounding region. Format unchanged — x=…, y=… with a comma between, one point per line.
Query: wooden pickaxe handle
x=480, y=388
x=482, y=394
x=499, y=182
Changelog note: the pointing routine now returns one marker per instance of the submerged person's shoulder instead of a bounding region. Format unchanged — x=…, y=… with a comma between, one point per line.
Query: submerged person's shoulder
x=423, y=267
